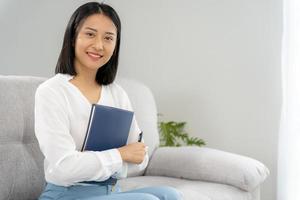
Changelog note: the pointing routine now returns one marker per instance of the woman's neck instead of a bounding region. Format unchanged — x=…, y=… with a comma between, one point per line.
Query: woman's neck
x=86, y=78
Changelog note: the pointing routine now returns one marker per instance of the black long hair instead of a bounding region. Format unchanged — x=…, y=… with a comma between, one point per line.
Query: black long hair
x=65, y=64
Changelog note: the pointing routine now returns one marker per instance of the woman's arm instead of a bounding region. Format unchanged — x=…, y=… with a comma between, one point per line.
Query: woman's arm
x=64, y=165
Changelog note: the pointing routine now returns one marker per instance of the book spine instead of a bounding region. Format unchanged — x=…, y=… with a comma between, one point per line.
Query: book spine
x=89, y=127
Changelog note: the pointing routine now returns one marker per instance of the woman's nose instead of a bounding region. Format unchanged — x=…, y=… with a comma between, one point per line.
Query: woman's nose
x=98, y=45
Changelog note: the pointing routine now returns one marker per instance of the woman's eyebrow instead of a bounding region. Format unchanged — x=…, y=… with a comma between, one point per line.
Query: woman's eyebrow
x=92, y=29
x=110, y=33
x=95, y=30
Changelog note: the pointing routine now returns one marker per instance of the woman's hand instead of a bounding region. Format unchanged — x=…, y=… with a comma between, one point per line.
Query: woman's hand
x=133, y=153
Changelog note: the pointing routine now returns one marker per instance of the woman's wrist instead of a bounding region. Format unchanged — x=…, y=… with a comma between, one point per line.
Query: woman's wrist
x=123, y=154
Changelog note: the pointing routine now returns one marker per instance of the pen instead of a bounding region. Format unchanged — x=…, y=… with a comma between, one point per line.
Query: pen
x=140, y=136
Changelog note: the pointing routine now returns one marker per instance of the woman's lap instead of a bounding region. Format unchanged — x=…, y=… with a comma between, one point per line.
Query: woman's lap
x=161, y=192
x=123, y=196
x=96, y=192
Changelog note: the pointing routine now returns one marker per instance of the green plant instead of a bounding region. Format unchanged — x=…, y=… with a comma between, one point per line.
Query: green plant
x=173, y=134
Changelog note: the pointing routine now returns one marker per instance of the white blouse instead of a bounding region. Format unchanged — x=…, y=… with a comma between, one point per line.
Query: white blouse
x=61, y=119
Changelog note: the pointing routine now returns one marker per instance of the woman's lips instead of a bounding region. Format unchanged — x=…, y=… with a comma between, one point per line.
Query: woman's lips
x=94, y=56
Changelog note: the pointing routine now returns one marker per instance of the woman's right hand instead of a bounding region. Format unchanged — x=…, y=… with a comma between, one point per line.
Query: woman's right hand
x=133, y=153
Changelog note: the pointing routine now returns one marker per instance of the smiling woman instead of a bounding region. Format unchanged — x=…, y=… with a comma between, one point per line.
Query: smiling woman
x=85, y=74
x=94, y=46
x=95, y=43
x=92, y=31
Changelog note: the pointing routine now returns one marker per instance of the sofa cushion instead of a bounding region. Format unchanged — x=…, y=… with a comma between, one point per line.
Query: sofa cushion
x=191, y=190
x=144, y=108
x=21, y=162
x=208, y=164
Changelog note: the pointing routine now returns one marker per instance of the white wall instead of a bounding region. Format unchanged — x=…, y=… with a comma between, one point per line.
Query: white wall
x=214, y=64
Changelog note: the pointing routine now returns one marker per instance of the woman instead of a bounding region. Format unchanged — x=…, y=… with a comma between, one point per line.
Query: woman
x=85, y=72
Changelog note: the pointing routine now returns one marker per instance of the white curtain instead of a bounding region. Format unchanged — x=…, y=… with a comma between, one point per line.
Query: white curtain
x=289, y=137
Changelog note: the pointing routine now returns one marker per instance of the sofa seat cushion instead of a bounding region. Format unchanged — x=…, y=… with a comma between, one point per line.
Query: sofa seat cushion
x=192, y=190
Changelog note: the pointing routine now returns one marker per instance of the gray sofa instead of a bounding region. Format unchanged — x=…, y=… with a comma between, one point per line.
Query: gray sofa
x=199, y=173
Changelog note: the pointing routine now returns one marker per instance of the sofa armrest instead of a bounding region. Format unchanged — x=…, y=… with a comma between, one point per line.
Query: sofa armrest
x=207, y=165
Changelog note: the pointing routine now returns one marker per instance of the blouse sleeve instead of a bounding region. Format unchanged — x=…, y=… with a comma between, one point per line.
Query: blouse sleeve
x=64, y=165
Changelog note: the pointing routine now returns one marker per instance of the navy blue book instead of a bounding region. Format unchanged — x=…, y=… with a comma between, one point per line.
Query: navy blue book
x=108, y=128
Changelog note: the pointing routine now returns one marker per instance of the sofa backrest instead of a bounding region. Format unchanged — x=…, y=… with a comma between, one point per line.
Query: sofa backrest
x=21, y=161
x=144, y=106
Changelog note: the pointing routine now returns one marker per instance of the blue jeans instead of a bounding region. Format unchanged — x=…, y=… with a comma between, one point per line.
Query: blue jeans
x=107, y=192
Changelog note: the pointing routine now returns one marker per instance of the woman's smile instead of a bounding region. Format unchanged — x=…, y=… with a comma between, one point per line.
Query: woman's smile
x=95, y=42
x=94, y=56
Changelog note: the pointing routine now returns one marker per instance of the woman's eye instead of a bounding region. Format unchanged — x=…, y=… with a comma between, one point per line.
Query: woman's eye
x=109, y=38
x=90, y=34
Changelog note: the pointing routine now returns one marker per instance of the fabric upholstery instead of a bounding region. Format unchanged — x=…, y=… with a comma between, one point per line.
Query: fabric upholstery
x=146, y=114
x=207, y=164
x=21, y=162
x=191, y=189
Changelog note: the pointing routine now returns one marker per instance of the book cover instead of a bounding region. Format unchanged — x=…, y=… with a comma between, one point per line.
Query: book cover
x=108, y=128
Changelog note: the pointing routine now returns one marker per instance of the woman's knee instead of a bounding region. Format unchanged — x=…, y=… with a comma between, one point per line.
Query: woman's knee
x=147, y=197
x=169, y=193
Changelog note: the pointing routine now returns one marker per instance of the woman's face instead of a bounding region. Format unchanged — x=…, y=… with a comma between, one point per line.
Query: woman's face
x=95, y=43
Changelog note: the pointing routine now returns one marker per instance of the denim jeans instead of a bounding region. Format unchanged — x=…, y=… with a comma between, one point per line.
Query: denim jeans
x=108, y=192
